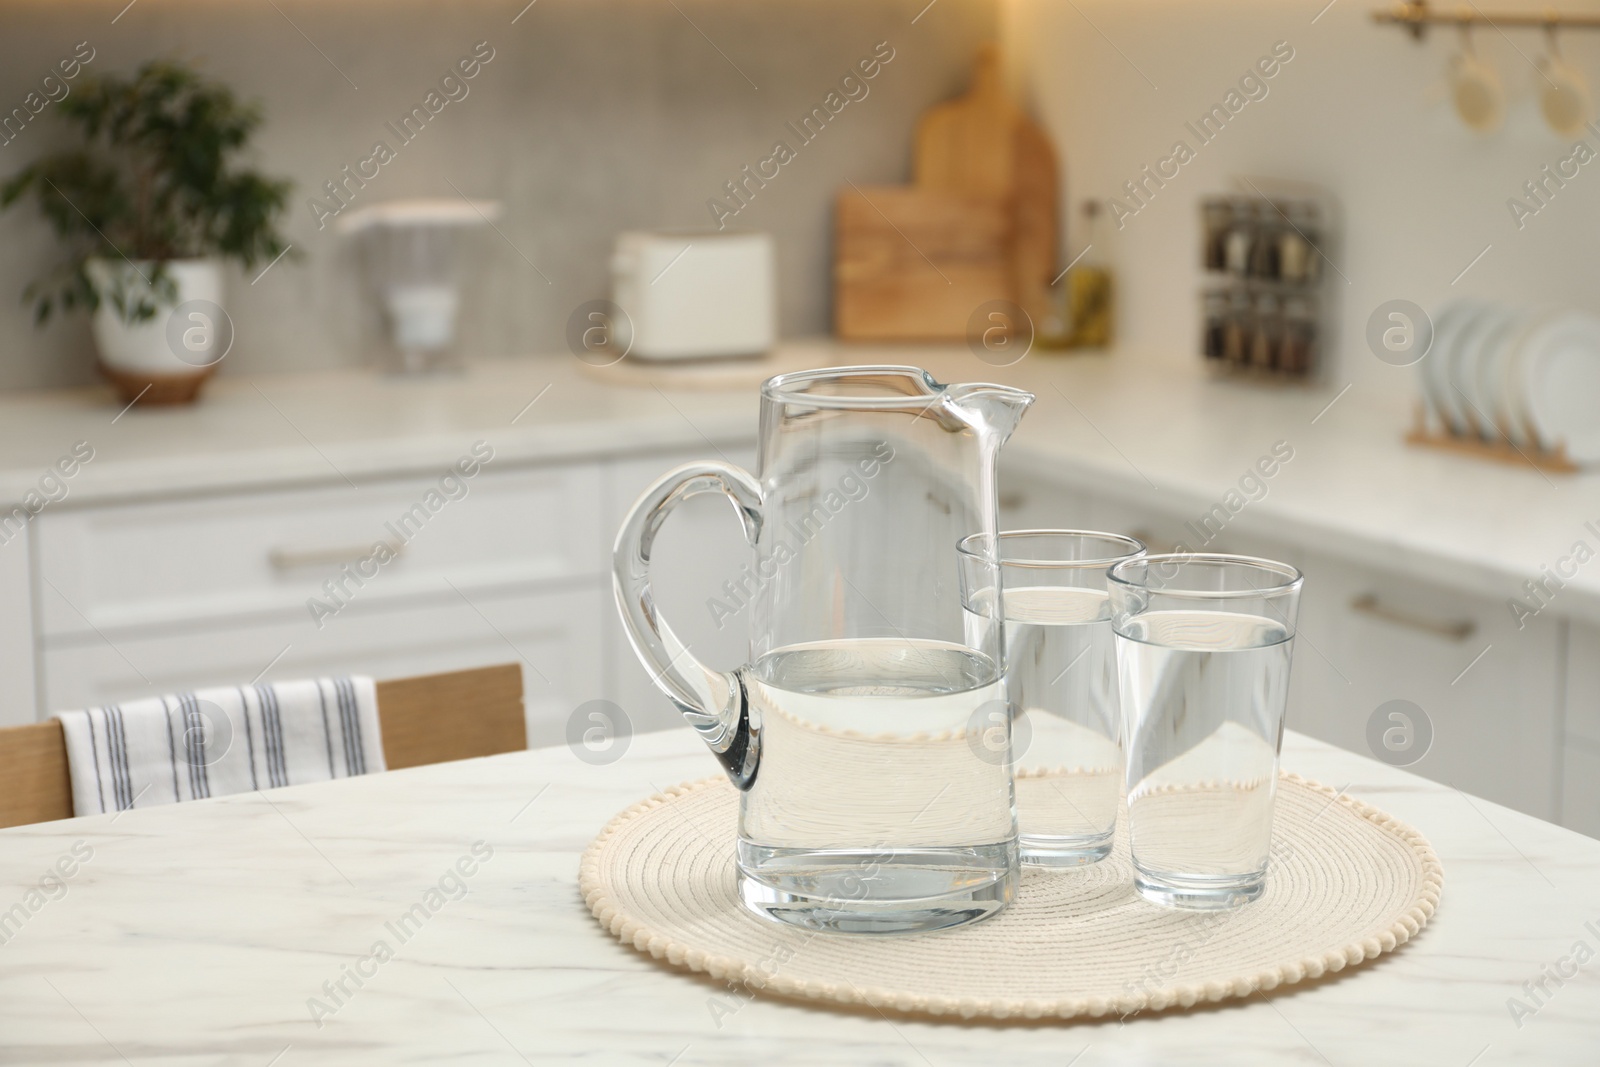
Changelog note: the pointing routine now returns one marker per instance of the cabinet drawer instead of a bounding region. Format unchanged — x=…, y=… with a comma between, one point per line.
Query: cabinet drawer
x=1489, y=690
x=1030, y=503
x=1034, y=503
x=17, y=700
x=555, y=636
x=1583, y=683
x=119, y=569
x=1580, y=799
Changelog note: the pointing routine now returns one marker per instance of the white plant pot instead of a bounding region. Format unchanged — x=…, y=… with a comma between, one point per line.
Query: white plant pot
x=160, y=346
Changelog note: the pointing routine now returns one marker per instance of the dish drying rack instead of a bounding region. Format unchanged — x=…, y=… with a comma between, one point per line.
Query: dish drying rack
x=1496, y=447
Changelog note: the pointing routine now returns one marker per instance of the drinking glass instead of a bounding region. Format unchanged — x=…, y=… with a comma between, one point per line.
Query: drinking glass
x=1061, y=683
x=1203, y=649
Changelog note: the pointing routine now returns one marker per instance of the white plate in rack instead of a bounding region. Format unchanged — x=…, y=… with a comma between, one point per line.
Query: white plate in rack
x=1555, y=380
x=1480, y=386
x=1459, y=399
x=1435, y=366
x=1498, y=372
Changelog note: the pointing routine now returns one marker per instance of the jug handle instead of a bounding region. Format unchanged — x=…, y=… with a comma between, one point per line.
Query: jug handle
x=713, y=701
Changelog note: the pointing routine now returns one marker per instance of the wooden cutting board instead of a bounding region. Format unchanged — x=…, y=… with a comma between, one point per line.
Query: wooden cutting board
x=912, y=264
x=978, y=223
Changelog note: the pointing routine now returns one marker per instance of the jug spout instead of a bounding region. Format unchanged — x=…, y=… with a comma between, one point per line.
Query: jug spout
x=992, y=411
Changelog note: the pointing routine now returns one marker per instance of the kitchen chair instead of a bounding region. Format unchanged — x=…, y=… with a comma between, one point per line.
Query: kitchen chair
x=432, y=718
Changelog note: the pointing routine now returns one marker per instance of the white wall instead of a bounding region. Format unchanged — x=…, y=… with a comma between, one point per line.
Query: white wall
x=1361, y=109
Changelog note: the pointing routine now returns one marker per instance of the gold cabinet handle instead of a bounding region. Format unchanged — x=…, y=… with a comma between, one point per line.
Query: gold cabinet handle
x=1450, y=629
x=286, y=559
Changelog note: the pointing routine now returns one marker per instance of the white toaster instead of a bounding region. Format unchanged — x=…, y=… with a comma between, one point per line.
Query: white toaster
x=694, y=294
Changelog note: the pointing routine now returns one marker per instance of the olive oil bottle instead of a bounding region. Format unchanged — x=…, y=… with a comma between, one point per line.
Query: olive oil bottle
x=1088, y=296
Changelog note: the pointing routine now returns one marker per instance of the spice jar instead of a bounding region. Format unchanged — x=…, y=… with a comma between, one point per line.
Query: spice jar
x=1240, y=237
x=1264, y=250
x=1264, y=333
x=1214, y=323
x=1294, y=256
x=1307, y=219
x=1236, y=331
x=1297, y=350
x=1216, y=221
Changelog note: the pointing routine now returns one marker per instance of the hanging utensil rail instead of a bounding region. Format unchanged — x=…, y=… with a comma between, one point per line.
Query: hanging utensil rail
x=1419, y=15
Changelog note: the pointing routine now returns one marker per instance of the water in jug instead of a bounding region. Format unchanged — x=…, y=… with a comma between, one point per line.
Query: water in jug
x=875, y=794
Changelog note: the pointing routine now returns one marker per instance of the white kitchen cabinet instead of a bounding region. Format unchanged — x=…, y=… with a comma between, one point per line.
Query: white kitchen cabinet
x=120, y=600
x=700, y=547
x=1191, y=530
x=1030, y=503
x=553, y=635
x=222, y=559
x=1580, y=776
x=158, y=596
x=1159, y=531
x=1489, y=690
x=1367, y=637
x=1580, y=793
x=1583, y=683
x=16, y=630
x=165, y=595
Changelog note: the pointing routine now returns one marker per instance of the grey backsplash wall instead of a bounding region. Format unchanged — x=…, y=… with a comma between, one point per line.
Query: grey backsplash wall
x=593, y=116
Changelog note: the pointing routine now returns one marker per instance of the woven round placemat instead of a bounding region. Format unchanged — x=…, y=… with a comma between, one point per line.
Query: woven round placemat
x=1346, y=883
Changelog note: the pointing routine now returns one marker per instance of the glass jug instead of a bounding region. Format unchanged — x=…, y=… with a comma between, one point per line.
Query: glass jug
x=861, y=731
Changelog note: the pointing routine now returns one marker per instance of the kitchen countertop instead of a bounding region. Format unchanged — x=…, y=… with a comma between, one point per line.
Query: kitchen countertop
x=1149, y=432
x=323, y=427
x=199, y=933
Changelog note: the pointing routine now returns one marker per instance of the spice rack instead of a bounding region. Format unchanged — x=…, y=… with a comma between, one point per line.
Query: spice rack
x=1266, y=307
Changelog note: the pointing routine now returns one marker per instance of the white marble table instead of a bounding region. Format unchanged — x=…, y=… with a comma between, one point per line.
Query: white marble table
x=200, y=934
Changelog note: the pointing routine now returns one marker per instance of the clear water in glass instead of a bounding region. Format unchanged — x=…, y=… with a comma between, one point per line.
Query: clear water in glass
x=1203, y=697
x=1061, y=678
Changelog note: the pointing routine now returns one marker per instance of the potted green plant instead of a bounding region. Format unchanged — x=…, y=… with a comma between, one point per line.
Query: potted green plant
x=149, y=208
